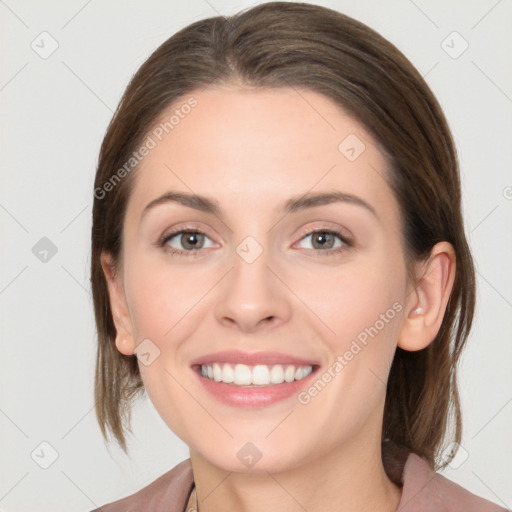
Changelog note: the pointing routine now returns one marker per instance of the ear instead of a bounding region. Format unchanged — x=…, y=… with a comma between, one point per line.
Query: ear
x=124, y=332
x=428, y=300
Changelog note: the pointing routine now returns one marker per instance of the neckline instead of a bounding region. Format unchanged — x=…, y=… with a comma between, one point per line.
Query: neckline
x=397, y=468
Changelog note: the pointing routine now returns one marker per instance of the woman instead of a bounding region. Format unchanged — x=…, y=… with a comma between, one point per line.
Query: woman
x=279, y=261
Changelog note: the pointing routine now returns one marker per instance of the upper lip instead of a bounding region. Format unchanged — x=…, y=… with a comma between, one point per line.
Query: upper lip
x=252, y=358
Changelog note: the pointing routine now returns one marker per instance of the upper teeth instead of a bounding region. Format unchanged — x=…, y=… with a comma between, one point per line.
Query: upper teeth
x=260, y=375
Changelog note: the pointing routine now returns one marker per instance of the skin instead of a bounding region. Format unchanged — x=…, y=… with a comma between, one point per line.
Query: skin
x=251, y=150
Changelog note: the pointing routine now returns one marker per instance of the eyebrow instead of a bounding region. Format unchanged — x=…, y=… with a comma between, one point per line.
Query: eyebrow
x=294, y=204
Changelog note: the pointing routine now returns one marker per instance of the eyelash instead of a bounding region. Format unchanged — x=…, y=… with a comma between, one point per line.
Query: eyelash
x=197, y=252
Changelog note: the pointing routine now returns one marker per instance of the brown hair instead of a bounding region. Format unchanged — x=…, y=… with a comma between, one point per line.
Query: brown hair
x=282, y=44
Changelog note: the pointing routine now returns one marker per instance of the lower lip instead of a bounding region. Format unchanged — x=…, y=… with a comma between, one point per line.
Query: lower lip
x=253, y=396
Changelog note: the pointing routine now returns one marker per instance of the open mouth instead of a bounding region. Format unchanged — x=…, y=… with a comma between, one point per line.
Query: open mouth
x=260, y=375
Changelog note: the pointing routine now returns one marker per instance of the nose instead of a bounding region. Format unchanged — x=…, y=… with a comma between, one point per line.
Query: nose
x=252, y=296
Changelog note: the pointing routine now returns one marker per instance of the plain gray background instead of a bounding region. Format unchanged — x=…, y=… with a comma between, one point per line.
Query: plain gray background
x=54, y=112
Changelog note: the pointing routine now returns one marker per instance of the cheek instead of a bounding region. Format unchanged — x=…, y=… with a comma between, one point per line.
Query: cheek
x=362, y=308
x=168, y=304
x=359, y=302
x=161, y=295
x=162, y=310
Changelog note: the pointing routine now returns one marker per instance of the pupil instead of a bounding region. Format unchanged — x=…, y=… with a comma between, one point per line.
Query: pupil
x=191, y=240
x=323, y=238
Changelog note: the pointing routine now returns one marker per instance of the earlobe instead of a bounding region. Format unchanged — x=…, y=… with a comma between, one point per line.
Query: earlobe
x=429, y=299
x=124, y=341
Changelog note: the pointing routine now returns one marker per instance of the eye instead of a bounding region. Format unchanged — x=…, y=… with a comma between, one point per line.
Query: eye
x=324, y=240
x=184, y=240
x=189, y=241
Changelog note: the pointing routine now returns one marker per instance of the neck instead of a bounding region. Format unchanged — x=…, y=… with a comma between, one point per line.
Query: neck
x=348, y=479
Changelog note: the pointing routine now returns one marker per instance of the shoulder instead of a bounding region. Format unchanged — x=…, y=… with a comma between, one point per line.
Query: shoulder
x=168, y=492
x=425, y=490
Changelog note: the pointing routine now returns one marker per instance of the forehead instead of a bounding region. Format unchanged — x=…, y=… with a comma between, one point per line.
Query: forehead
x=254, y=148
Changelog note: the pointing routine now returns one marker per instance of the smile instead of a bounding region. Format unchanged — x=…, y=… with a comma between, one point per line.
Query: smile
x=258, y=375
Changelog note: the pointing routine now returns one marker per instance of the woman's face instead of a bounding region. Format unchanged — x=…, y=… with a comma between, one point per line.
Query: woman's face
x=254, y=280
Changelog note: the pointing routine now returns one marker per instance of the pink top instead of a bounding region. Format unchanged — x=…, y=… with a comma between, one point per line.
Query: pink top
x=423, y=491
